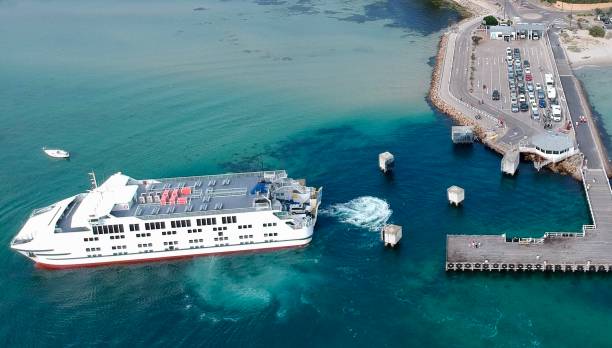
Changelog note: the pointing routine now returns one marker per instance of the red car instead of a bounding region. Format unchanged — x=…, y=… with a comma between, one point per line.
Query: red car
x=528, y=77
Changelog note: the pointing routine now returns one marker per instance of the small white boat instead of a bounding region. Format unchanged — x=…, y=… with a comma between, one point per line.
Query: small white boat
x=56, y=153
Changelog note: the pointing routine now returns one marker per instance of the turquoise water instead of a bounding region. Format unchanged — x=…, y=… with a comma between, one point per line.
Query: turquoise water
x=597, y=83
x=318, y=88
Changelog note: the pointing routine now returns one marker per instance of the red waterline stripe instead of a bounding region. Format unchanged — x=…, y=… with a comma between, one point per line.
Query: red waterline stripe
x=47, y=266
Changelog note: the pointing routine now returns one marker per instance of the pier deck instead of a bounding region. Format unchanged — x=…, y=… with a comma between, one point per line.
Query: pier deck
x=586, y=250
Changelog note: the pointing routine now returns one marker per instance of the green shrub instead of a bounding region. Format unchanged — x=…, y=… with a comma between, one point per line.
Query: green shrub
x=597, y=31
x=491, y=20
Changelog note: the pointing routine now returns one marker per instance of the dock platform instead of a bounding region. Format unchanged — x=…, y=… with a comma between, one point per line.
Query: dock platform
x=589, y=250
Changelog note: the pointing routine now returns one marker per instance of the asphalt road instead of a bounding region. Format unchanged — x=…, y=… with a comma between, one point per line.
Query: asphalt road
x=584, y=132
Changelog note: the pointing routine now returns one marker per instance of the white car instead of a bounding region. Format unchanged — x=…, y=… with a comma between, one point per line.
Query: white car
x=538, y=86
x=527, y=70
x=513, y=100
x=556, y=113
x=535, y=113
x=522, y=98
x=531, y=95
x=533, y=102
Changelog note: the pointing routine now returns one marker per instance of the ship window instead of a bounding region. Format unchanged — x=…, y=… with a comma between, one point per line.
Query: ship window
x=105, y=229
x=250, y=236
x=223, y=219
x=147, y=226
x=148, y=234
x=131, y=227
x=137, y=234
x=250, y=226
x=122, y=236
x=234, y=219
x=87, y=249
x=121, y=228
x=172, y=224
x=274, y=224
x=157, y=225
x=163, y=224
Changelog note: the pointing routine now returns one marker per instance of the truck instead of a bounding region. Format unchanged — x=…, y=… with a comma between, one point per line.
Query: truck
x=548, y=78
x=551, y=92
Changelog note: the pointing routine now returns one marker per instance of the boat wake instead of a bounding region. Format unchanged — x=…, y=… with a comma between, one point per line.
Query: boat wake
x=366, y=212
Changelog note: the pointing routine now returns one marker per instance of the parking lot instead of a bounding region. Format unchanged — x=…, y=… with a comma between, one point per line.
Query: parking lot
x=492, y=73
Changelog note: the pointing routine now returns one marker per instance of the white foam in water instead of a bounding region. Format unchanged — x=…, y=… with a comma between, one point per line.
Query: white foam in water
x=365, y=212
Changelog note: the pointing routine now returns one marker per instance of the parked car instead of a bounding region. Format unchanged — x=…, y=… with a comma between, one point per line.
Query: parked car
x=556, y=113
x=513, y=94
x=512, y=85
x=530, y=87
x=528, y=77
x=542, y=103
x=524, y=107
x=522, y=98
x=541, y=94
x=511, y=75
x=533, y=103
x=495, y=95
x=527, y=70
x=535, y=114
x=513, y=100
x=526, y=63
x=538, y=86
x=515, y=107
x=517, y=51
x=521, y=89
x=531, y=95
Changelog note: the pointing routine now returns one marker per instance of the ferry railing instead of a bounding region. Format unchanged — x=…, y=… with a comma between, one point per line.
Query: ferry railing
x=227, y=175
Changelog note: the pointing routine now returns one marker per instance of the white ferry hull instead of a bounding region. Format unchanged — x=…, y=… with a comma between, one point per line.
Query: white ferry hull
x=55, y=262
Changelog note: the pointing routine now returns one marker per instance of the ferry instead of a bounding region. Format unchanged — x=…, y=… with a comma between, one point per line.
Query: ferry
x=125, y=220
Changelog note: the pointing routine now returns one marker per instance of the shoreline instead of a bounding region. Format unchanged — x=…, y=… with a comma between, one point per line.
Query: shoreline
x=570, y=166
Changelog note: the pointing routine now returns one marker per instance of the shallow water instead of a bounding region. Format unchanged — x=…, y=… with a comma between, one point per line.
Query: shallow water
x=317, y=88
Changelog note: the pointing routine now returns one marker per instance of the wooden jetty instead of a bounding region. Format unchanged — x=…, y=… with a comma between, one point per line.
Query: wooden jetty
x=589, y=250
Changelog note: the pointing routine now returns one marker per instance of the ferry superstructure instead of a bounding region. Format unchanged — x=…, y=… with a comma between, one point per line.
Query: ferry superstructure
x=125, y=220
